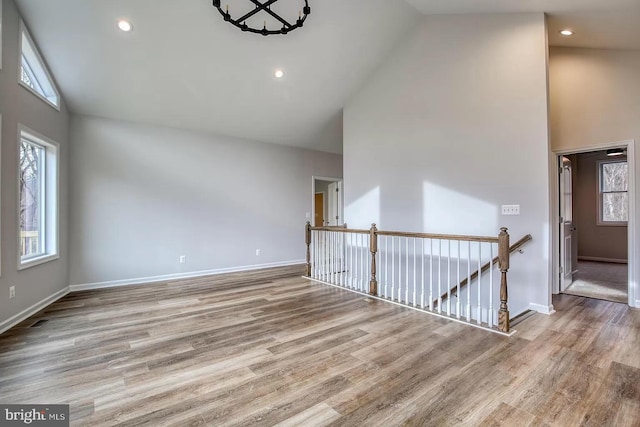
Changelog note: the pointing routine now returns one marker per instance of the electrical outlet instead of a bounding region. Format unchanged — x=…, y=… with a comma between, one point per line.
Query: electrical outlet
x=12, y=292
x=308, y=215
x=183, y=259
x=258, y=252
x=510, y=209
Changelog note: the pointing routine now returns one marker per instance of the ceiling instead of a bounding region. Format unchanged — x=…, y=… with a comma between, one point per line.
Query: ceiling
x=605, y=24
x=183, y=66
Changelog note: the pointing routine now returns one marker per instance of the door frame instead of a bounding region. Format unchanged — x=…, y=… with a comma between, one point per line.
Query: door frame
x=634, y=291
x=562, y=228
x=313, y=193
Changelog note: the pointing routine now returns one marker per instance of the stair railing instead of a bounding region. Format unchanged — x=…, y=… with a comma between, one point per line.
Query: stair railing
x=420, y=270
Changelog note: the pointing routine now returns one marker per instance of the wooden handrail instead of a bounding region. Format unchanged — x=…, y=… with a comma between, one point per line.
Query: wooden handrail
x=484, y=239
x=513, y=248
x=340, y=229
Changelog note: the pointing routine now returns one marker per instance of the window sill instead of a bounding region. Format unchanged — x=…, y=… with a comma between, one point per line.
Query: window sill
x=32, y=262
x=611, y=224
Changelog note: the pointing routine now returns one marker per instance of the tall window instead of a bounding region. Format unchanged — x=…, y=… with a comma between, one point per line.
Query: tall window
x=32, y=200
x=38, y=204
x=614, y=184
x=33, y=71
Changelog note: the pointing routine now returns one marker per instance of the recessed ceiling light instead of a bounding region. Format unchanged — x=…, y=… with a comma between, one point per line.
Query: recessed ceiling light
x=125, y=25
x=279, y=74
x=566, y=32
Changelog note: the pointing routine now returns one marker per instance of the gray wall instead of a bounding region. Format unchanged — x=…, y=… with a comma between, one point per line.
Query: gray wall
x=451, y=127
x=594, y=241
x=141, y=196
x=17, y=105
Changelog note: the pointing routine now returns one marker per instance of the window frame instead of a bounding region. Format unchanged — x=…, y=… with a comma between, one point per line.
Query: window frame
x=50, y=195
x=600, y=194
x=45, y=69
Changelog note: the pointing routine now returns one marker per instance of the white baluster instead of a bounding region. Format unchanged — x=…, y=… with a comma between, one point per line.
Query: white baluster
x=363, y=262
x=415, y=261
x=355, y=261
x=333, y=258
x=449, y=278
x=490, y=314
x=326, y=256
x=315, y=255
x=399, y=269
x=439, y=276
x=479, y=283
x=458, y=283
x=393, y=266
x=336, y=257
x=351, y=248
x=422, y=277
x=469, y=282
x=386, y=266
x=406, y=296
x=431, y=274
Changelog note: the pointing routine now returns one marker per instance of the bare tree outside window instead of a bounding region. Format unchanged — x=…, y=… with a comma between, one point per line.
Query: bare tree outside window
x=614, y=184
x=31, y=189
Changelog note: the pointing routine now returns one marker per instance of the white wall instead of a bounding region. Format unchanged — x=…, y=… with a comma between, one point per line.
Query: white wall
x=18, y=105
x=595, y=99
x=452, y=126
x=141, y=196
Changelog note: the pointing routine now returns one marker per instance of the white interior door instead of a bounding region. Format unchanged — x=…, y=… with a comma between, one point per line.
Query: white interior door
x=334, y=196
x=568, y=247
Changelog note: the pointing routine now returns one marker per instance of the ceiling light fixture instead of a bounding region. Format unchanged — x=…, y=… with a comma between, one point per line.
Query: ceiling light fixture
x=279, y=74
x=614, y=152
x=264, y=6
x=125, y=25
x=566, y=32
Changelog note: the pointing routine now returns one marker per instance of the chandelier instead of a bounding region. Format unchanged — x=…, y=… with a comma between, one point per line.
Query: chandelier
x=241, y=21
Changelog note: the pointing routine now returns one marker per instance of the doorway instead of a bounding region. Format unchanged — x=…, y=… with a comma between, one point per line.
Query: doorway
x=595, y=204
x=327, y=202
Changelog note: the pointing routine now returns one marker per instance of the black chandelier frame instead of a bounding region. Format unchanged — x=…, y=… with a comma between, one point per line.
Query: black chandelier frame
x=241, y=23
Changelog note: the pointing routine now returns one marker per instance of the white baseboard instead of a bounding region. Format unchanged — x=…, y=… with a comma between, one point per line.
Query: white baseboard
x=600, y=259
x=544, y=309
x=25, y=314
x=177, y=276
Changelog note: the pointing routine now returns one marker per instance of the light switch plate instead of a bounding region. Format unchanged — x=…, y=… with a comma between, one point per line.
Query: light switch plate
x=510, y=209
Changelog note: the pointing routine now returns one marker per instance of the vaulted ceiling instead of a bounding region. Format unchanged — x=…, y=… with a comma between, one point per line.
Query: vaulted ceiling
x=182, y=66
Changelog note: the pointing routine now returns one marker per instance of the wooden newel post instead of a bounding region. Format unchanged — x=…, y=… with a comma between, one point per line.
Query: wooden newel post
x=307, y=240
x=373, y=245
x=503, y=257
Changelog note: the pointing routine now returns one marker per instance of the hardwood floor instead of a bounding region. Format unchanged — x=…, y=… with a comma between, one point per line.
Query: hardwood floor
x=249, y=349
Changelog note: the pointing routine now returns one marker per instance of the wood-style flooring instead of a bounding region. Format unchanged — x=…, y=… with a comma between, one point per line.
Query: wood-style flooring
x=263, y=349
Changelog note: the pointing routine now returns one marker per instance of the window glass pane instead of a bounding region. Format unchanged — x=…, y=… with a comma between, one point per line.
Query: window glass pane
x=31, y=199
x=614, y=177
x=34, y=73
x=614, y=207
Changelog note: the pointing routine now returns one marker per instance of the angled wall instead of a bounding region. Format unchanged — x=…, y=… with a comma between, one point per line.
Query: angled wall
x=450, y=128
x=18, y=105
